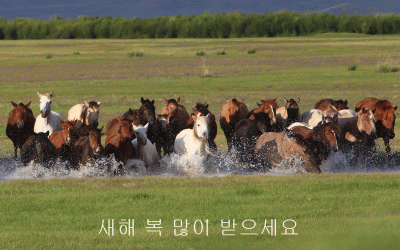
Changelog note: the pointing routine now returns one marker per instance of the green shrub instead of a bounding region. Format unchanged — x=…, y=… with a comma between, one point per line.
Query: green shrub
x=200, y=53
x=251, y=51
x=352, y=67
x=137, y=54
x=48, y=56
x=76, y=53
x=221, y=53
x=388, y=66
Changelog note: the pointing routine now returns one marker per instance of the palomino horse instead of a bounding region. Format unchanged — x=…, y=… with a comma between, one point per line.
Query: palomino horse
x=63, y=140
x=385, y=118
x=202, y=109
x=87, y=148
x=247, y=133
x=325, y=103
x=194, y=141
x=20, y=125
x=232, y=112
x=357, y=132
x=177, y=118
x=87, y=113
x=119, y=139
x=47, y=120
x=38, y=149
x=314, y=116
x=287, y=114
x=311, y=145
x=144, y=149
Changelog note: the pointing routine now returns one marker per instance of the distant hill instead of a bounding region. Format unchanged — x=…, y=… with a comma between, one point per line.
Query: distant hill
x=44, y=9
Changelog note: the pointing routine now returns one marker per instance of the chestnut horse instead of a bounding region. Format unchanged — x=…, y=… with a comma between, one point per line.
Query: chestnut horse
x=385, y=118
x=232, y=112
x=177, y=119
x=87, y=148
x=325, y=103
x=20, y=125
x=120, y=133
x=38, y=149
x=63, y=140
x=268, y=106
x=311, y=145
x=202, y=109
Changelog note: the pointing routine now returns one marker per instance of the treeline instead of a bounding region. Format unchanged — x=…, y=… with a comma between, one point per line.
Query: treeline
x=199, y=26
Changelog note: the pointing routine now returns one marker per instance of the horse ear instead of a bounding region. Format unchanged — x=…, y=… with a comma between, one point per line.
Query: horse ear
x=27, y=105
x=206, y=106
x=345, y=102
x=86, y=104
x=74, y=122
x=395, y=108
x=14, y=104
x=40, y=95
x=99, y=103
x=177, y=100
x=152, y=102
x=142, y=100
x=194, y=118
x=227, y=100
x=298, y=100
x=285, y=100
x=52, y=94
x=61, y=121
x=146, y=126
x=166, y=101
x=134, y=127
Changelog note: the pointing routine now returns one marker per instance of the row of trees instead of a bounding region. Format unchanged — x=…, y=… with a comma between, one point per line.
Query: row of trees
x=199, y=26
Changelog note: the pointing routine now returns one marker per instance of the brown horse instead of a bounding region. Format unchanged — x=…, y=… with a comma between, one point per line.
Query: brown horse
x=38, y=149
x=87, y=148
x=232, y=112
x=20, y=125
x=202, y=109
x=177, y=119
x=311, y=145
x=119, y=139
x=64, y=139
x=287, y=114
x=268, y=106
x=131, y=114
x=384, y=116
x=324, y=104
x=247, y=133
x=357, y=132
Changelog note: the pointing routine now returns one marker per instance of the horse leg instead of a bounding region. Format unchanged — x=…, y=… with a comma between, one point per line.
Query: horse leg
x=15, y=150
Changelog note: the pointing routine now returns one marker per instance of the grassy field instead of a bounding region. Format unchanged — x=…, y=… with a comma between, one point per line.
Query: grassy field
x=342, y=211
x=332, y=211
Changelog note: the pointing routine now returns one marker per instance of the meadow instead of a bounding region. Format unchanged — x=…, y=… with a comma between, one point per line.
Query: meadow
x=332, y=211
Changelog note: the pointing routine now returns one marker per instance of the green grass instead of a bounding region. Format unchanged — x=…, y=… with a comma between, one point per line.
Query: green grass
x=331, y=211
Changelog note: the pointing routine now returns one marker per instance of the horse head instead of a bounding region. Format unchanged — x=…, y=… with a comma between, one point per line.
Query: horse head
x=147, y=111
x=201, y=127
x=125, y=129
x=94, y=137
x=91, y=113
x=366, y=122
x=141, y=133
x=20, y=114
x=67, y=130
x=45, y=103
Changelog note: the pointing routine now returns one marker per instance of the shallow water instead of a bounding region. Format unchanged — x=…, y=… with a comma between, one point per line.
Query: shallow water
x=222, y=164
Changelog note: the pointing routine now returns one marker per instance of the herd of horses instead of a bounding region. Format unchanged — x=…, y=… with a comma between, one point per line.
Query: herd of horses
x=265, y=136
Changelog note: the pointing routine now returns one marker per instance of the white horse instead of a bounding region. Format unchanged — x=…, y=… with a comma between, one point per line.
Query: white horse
x=194, y=141
x=87, y=113
x=144, y=149
x=47, y=120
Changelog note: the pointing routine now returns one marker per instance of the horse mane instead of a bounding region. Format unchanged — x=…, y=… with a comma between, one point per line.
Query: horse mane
x=202, y=108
